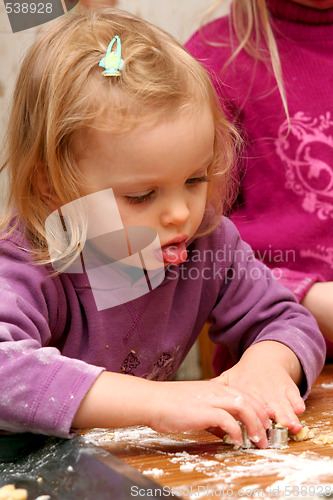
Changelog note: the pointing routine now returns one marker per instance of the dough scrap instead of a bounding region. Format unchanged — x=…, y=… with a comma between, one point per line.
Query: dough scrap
x=9, y=492
x=303, y=435
x=306, y=434
x=279, y=426
x=324, y=438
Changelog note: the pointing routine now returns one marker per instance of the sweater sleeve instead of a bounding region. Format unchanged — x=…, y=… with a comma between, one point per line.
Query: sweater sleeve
x=253, y=307
x=41, y=390
x=296, y=281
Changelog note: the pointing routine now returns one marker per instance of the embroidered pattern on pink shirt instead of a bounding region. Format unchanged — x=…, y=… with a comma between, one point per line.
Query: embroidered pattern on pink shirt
x=304, y=152
x=325, y=254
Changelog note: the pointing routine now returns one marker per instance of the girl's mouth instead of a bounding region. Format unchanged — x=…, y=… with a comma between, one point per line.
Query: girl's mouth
x=174, y=253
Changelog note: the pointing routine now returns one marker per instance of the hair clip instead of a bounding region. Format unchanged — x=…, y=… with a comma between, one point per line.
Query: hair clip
x=112, y=61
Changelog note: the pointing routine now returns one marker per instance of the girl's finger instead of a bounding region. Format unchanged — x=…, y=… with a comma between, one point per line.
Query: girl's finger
x=243, y=400
x=227, y=425
x=296, y=401
x=248, y=415
x=286, y=416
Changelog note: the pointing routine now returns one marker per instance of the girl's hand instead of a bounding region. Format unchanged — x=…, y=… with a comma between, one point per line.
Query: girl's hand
x=183, y=406
x=319, y=301
x=116, y=400
x=269, y=371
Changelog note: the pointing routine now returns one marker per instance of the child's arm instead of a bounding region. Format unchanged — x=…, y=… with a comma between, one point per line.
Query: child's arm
x=276, y=340
x=270, y=372
x=319, y=301
x=117, y=400
x=314, y=294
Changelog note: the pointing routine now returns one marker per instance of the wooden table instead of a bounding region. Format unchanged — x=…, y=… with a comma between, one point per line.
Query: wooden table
x=199, y=465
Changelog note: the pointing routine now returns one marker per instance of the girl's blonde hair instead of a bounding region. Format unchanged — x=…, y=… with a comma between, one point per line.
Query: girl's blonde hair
x=251, y=24
x=60, y=90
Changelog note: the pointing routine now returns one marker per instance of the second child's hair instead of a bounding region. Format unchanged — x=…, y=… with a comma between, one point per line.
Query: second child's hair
x=61, y=91
x=251, y=23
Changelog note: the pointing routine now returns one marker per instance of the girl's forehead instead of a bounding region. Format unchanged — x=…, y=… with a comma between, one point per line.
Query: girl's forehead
x=115, y=125
x=148, y=141
x=163, y=154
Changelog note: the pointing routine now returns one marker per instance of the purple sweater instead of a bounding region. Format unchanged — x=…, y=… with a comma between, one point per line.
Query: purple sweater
x=285, y=210
x=55, y=343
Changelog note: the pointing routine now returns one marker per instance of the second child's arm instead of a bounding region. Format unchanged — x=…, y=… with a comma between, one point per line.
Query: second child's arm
x=118, y=400
x=319, y=301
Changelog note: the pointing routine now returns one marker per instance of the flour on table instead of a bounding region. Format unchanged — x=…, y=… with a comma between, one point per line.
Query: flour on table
x=141, y=436
x=226, y=466
x=327, y=386
x=153, y=472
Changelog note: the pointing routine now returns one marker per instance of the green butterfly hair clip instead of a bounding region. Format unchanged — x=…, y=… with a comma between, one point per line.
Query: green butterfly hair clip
x=112, y=61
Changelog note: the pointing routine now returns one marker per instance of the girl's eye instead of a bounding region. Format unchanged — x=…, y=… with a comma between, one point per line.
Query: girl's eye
x=139, y=199
x=197, y=180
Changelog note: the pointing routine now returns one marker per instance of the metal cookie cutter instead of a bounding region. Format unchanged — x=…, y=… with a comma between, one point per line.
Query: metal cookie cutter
x=277, y=437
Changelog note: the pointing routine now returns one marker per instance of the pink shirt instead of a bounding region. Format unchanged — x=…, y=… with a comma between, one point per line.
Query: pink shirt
x=285, y=209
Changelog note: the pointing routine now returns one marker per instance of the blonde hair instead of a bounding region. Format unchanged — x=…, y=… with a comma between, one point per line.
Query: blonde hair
x=60, y=90
x=250, y=20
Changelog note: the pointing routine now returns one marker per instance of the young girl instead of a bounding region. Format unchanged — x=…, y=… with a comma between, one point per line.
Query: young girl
x=112, y=112
x=273, y=67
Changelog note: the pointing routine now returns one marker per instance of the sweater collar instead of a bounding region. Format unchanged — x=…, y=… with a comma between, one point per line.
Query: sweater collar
x=290, y=11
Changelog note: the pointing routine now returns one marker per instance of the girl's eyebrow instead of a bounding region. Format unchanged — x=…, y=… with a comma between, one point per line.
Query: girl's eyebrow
x=205, y=164
x=137, y=184
x=201, y=170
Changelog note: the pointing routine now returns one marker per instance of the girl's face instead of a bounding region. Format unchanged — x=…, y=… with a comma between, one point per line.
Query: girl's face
x=158, y=173
x=316, y=4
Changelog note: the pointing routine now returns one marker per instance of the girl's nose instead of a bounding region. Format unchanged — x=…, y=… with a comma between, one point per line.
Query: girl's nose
x=176, y=211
